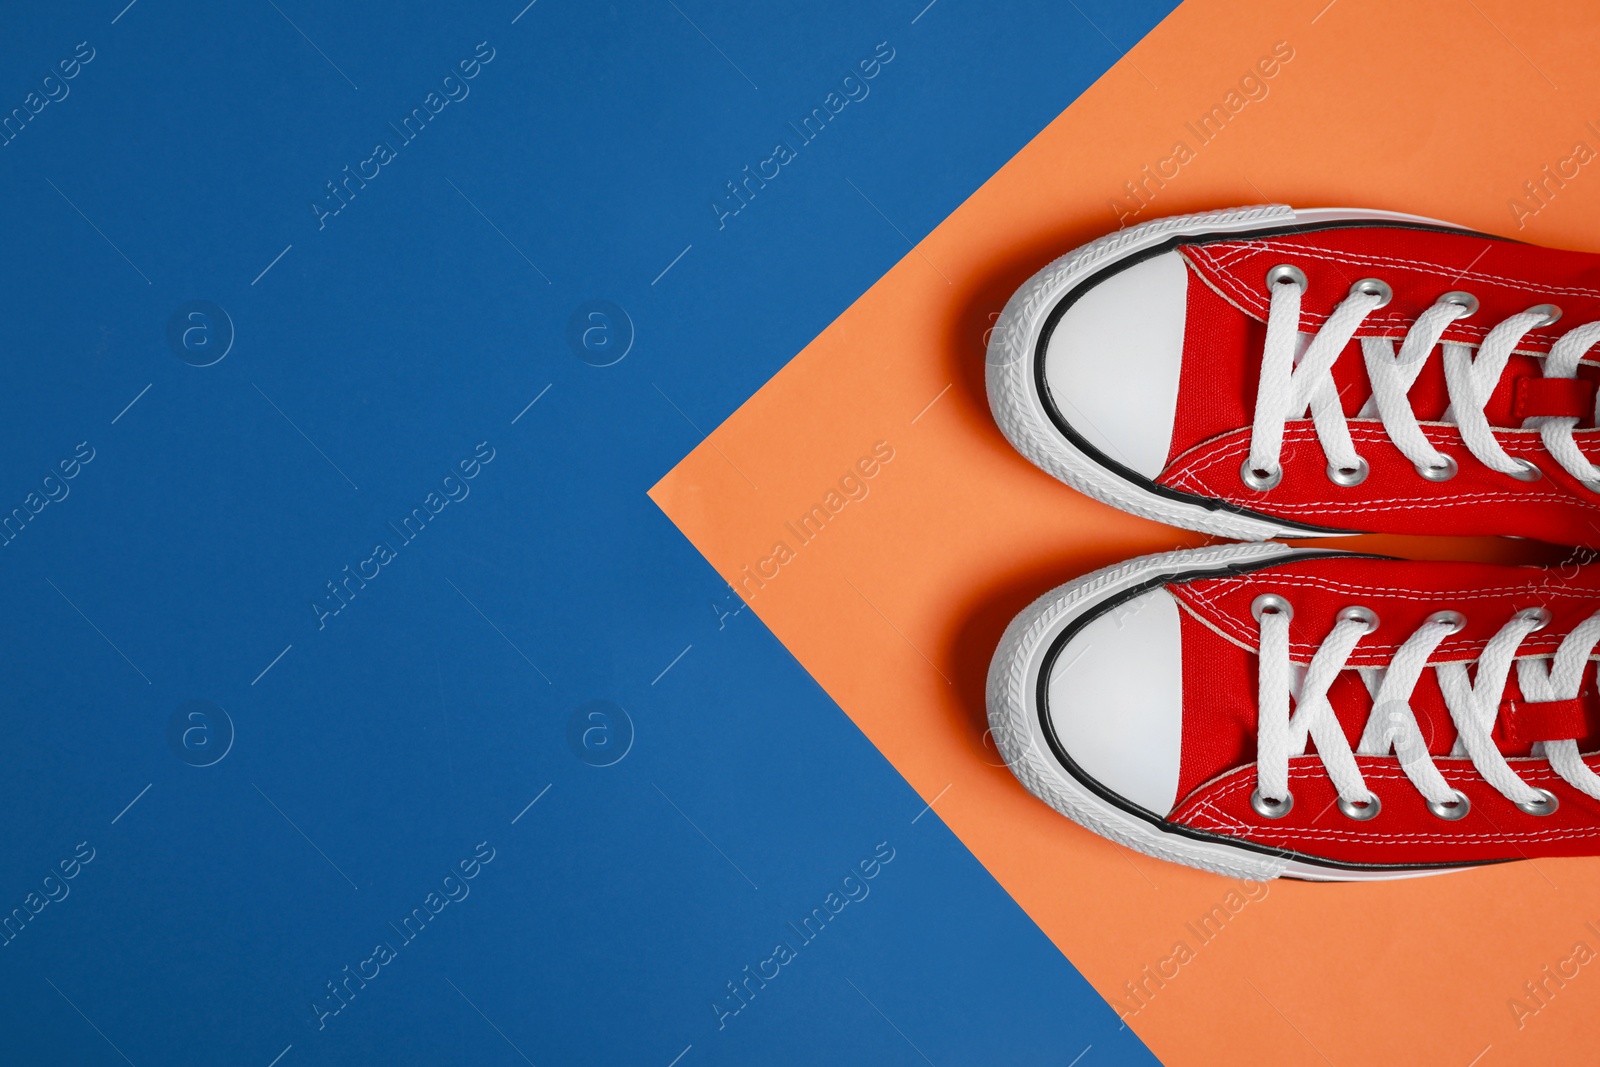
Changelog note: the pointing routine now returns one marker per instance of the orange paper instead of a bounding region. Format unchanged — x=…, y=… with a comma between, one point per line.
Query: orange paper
x=1478, y=112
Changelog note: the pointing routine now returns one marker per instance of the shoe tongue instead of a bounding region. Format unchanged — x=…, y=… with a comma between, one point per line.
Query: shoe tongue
x=1519, y=725
x=1219, y=706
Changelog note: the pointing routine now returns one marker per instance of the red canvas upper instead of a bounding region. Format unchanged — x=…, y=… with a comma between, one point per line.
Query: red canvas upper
x=1220, y=672
x=1224, y=337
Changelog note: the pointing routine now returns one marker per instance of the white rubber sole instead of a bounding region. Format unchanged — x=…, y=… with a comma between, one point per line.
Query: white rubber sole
x=1013, y=388
x=1014, y=719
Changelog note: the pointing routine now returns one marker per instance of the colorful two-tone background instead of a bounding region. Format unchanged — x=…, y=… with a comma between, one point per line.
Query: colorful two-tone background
x=407, y=412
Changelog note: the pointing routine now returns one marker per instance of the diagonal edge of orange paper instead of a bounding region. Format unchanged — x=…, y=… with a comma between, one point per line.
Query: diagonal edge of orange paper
x=895, y=533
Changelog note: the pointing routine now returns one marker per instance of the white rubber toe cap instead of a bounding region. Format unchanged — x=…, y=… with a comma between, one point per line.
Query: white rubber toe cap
x=1113, y=360
x=1115, y=699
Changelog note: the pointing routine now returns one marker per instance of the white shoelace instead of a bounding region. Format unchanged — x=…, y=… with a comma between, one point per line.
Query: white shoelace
x=1392, y=726
x=1286, y=389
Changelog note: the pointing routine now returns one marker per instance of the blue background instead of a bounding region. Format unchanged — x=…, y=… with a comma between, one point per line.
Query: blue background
x=380, y=346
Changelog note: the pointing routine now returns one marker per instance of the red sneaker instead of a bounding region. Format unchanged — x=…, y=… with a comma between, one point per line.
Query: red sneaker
x=1451, y=706
x=1168, y=370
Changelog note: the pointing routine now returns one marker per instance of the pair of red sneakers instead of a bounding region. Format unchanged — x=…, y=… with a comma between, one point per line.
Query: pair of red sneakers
x=1263, y=710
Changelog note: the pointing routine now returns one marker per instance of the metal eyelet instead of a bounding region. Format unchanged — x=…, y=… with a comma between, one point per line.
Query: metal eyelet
x=1455, y=810
x=1259, y=478
x=1460, y=299
x=1539, y=616
x=1454, y=619
x=1348, y=476
x=1271, y=809
x=1361, y=812
x=1551, y=313
x=1527, y=472
x=1441, y=473
x=1361, y=615
x=1283, y=272
x=1270, y=604
x=1374, y=287
x=1546, y=803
